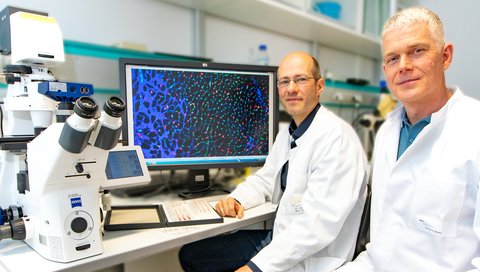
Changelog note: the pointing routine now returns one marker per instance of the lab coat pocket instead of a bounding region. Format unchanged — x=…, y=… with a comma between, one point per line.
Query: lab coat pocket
x=294, y=204
x=293, y=197
x=323, y=263
x=436, y=206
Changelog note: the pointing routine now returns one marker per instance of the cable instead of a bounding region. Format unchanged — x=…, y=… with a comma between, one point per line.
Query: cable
x=197, y=193
x=1, y=118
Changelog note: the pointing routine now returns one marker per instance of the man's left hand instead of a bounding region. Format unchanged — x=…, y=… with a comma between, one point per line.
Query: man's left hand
x=244, y=269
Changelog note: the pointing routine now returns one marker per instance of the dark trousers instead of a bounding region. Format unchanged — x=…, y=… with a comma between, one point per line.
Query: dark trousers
x=224, y=252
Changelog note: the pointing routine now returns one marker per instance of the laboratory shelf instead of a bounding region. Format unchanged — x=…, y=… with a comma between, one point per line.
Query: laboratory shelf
x=351, y=87
x=101, y=53
x=109, y=52
x=286, y=20
x=349, y=105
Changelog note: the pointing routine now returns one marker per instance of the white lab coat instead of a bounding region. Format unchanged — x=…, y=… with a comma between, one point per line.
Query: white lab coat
x=318, y=216
x=424, y=204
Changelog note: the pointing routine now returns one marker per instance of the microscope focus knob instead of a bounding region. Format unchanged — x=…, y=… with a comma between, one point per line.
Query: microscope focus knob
x=79, y=224
x=79, y=168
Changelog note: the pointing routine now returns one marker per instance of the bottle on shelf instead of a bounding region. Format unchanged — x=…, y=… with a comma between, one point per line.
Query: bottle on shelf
x=262, y=57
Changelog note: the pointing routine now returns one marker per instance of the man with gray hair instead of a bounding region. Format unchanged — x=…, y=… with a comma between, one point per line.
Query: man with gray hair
x=425, y=213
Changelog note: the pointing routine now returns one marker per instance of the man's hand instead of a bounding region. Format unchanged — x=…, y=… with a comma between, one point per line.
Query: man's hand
x=230, y=207
x=244, y=269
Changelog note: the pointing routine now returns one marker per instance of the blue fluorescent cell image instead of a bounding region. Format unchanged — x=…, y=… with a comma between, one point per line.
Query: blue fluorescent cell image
x=186, y=114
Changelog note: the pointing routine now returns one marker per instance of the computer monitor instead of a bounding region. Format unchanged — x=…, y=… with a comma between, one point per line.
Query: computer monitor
x=199, y=115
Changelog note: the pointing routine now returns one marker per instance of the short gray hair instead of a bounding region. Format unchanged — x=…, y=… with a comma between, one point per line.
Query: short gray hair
x=413, y=15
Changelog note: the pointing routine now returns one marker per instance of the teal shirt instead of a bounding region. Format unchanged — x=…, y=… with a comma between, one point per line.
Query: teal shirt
x=408, y=133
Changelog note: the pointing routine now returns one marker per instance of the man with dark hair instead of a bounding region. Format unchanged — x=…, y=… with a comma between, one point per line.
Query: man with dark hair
x=316, y=173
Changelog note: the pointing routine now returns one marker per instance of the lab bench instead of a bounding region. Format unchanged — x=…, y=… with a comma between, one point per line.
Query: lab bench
x=130, y=245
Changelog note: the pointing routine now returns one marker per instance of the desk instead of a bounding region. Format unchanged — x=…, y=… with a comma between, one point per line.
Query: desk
x=126, y=246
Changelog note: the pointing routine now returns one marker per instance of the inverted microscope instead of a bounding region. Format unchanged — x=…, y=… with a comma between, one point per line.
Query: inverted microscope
x=59, y=156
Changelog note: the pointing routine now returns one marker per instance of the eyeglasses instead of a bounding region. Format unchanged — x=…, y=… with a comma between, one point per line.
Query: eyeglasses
x=299, y=81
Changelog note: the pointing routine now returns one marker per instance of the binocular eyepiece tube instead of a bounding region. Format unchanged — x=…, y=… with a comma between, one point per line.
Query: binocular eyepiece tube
x=81, y=128
x=109, y=126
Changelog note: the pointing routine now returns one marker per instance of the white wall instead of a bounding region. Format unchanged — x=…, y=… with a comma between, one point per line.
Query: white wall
x=167, y=28
x=342, y=65
x=461, y=22
x=160, y=26
x=233, y=42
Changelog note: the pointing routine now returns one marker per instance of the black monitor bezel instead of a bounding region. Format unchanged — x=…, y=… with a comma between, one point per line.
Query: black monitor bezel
x=124, y=62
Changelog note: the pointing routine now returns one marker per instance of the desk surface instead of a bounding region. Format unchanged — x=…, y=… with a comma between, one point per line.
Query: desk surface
x=125, y=246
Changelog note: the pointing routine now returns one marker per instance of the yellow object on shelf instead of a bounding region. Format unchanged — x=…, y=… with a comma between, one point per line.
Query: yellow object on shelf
x=131, y=46
x=386, y=104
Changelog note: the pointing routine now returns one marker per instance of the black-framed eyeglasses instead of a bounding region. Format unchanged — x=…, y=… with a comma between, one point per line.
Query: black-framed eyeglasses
x=299, y=81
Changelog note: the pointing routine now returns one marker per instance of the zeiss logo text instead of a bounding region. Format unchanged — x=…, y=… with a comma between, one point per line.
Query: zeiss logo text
x=76, y=202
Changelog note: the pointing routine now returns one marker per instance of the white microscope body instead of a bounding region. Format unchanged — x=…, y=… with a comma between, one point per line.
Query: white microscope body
x=62, y=204
x=36, y=44
x=68, y=165
x=63, y=200
x=58, y=178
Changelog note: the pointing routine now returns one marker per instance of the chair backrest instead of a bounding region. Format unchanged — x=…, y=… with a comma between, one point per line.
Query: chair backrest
x=364, y=232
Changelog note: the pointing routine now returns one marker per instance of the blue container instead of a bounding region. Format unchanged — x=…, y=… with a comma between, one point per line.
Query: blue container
x=330, y=9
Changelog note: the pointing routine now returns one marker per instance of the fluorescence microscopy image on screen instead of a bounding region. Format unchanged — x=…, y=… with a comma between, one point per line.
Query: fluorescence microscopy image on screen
x=184, y=114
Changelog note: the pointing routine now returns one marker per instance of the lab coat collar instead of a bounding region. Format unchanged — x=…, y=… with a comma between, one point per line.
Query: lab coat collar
x=442, y=113
x=406, y=122
x=396, y=119
x=294, y=134
x=297, y=132
x=396, y=114
x=439, y=115
x=392, y=126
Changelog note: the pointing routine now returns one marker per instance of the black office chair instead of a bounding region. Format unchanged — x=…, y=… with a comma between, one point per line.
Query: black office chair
x=364, y=232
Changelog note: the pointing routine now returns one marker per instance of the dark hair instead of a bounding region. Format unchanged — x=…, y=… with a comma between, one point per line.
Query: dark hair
x=316, y=72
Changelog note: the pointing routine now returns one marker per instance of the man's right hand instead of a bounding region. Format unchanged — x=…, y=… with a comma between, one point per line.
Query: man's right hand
x=230, y=207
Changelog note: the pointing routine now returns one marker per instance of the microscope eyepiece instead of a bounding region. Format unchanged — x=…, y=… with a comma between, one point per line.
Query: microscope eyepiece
x=78, y=127
x=114, y=106
x=109, y=125
x=85, y=107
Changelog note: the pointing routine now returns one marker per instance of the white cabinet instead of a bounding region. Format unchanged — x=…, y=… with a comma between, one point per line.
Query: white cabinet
x=377, y=12
x=279, y=17
x=357, y=30
x=346, y=13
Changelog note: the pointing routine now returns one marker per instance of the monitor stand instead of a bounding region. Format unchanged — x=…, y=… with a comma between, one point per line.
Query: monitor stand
x=198, y=184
